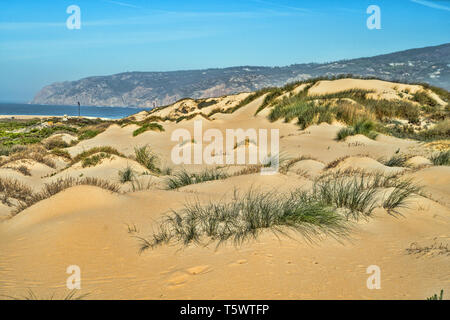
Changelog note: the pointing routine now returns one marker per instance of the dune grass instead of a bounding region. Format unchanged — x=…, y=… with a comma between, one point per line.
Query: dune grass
x=153, y=126
x=13, y=189
x=245, y=218
x=104, y=149
x=183, y=177
x=52, y=188
x=364, y=127
x=327, y=209
x=126, y=175
x=436, y=297
x=441, y=159
x=34, y=152
x=147, y=158
x=95, y=159
x=397, y=160
x=72, y=295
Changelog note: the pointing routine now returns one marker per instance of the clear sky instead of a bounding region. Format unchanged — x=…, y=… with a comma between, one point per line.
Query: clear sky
x=36, y=47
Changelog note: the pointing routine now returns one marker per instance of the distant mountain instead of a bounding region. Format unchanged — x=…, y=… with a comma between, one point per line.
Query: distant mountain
x=148, y=89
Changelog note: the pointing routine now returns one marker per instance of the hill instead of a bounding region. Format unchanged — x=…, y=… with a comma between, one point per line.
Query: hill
x=148, y=89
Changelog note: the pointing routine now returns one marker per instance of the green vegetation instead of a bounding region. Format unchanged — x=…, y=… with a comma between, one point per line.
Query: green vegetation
x=334, y=200
x=441, y=159
x=364, y=127
x=97, y=158
x=397, y=160
x=436, y=297
x=126, y=175
x=153, y=126
x=32, y=152
x=92, y=151
x=246, y=217
x=183, y=177
x=147, y=158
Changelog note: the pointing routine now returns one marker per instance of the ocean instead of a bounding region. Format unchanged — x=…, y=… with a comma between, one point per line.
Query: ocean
x=52, y=110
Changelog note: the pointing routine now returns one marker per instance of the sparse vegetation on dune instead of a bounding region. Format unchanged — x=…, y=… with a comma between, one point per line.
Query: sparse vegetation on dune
x=326, y=209
x=153, y=126
x=34, y=152
x=104, y=149
x=126, y=175
x=95, y=159
x=245, y=218
x=441, y=158
x=12, y=189
x=50, y=189
x=364, y=127
x=183, y=177
x=147, y=158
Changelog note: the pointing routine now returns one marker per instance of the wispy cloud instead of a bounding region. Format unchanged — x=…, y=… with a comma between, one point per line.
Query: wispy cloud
x=278, y=5
x=431, y=4
x=156, y=17
x=123, y=4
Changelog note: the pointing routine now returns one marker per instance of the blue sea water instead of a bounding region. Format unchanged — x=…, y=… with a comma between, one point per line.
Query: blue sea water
x=51, y=110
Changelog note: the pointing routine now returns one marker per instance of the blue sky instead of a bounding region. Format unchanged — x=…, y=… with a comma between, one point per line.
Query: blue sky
x=36, y=47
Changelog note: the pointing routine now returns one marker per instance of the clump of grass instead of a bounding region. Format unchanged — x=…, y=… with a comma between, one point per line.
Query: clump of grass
x=52, y=188
x=13, y=189
x=72, y=295
x=326, y=209
x=441, y=159
x=95, y=159
x=436, y=297
x=55, y=142
x=153, y=126
x=397, y=160
x=92, y=151
x=62, y=153
x=246, y=217
x=88, y=134
x=364, y=127
x=183, y=177
x=356, y=195
x=147, y=158
x=126, y=175
x=32, y=152
x=24, y=170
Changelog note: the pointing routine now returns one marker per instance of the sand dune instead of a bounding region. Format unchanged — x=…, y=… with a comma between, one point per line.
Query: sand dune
x=100, y=230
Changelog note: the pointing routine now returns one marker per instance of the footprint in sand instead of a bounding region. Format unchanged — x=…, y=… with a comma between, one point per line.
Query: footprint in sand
x=239, y=262
x=178, y=279
x=198, y=270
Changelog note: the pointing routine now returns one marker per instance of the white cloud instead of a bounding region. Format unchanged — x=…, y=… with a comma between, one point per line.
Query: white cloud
x=431, y=5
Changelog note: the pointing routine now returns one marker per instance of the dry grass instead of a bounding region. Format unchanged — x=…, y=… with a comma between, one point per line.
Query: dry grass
x=32, y=152
x=52, y=188
x=13, y=189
